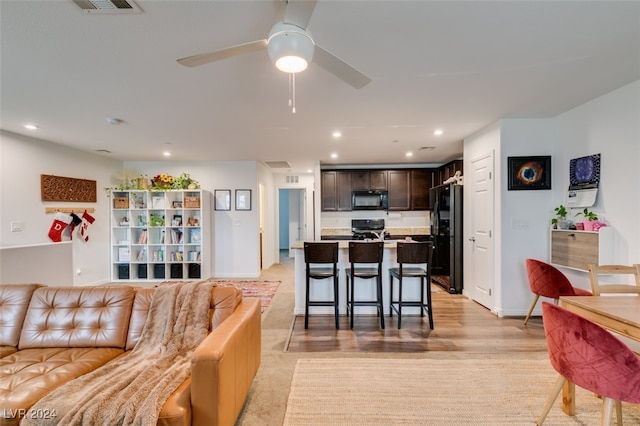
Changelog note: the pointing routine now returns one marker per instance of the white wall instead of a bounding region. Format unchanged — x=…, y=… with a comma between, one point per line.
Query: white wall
x=524, y=215
x=236, y=249
x=609, y=125
x=23, y=160
x=268, y=212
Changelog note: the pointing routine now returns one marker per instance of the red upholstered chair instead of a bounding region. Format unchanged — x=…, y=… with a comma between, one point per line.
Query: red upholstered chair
x=590, y=357
x=546, y=280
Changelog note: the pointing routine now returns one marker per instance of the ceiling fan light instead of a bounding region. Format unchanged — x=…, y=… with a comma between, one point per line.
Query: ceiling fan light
x=290, y=48
x=291, y=64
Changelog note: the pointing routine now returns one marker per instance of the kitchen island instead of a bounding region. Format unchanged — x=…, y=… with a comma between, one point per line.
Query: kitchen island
x=364, y=290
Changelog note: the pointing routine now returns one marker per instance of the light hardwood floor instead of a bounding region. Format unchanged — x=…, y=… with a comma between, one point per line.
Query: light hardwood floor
x=460, y=324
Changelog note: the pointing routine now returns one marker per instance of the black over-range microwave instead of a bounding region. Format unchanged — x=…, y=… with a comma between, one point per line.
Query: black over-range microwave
x=370, y=200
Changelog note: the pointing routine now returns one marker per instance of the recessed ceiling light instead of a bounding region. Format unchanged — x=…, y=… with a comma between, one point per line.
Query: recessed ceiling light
x=426, y=148
x=438, y=132
x=336, y=134
x=31, y=126
x=309, y=171
x=395, y=141
x=166, y=154
x=409, y=154
x=334, y=155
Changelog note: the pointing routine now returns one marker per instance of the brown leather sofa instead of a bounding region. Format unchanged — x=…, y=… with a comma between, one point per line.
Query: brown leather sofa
x=51, y=335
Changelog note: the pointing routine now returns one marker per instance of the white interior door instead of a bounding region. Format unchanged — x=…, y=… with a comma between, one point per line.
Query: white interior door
x=481, y=236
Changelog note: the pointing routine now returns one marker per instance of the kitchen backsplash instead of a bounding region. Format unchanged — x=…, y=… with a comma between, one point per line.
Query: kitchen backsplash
x=391, y=219
x=327, y=232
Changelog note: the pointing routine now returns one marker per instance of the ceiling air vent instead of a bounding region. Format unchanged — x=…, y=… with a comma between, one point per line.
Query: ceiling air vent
x=108, y=6
x=278, y=164
x=292, y=179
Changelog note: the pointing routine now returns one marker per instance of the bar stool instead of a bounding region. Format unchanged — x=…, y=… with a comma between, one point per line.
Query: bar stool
x=327, y=254
x=410, y=254
x=365, y=253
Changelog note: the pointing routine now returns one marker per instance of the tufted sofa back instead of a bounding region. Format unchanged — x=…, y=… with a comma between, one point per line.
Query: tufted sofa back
x=14, y=301
x=67, y=317
x=33, y=316
x=224, y=301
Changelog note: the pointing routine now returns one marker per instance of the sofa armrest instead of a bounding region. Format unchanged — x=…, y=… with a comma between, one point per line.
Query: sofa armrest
x=224, y=365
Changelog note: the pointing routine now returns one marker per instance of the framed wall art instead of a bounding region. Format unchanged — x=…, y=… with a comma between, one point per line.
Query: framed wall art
x=529, y=173
x=243, y=199
x=222, y=199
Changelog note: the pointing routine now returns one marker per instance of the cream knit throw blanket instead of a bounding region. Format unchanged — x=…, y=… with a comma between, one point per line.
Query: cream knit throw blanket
x=131, y=390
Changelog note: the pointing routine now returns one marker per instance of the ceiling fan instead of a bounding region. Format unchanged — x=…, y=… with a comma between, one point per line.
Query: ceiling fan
x=290, y=46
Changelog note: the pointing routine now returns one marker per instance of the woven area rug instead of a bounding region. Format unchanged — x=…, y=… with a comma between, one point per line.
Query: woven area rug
x=367, y=391
x=441, y=280
x=264, y=290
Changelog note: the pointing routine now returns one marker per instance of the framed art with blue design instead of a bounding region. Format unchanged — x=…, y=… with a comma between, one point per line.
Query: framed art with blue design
x=529, y=173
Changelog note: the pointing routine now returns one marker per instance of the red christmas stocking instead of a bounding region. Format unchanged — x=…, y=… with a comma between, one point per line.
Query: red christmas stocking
x=87, y=220
x=60, y=222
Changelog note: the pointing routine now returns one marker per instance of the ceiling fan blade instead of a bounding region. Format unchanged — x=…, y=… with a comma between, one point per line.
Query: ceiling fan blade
x=299, y=12
x=339, y=68
x=205, y=58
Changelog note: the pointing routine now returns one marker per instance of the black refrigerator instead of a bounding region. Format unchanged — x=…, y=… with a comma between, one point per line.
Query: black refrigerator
x=446, y=231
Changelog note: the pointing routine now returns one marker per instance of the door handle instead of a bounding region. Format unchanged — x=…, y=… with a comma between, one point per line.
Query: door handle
x=472, y=239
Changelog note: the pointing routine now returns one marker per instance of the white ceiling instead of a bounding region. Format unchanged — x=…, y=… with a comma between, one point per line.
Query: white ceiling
x=453, y=65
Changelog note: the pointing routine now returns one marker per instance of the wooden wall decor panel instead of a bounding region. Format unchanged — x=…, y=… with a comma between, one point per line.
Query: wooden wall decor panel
x=58, y=188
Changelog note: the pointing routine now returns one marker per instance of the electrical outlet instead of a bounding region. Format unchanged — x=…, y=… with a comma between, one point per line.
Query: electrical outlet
x=16, y=226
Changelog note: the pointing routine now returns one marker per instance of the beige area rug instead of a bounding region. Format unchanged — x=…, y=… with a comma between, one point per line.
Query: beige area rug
x=366, y=391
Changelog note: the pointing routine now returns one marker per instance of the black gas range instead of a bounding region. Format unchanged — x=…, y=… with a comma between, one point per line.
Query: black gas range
x=364, y=229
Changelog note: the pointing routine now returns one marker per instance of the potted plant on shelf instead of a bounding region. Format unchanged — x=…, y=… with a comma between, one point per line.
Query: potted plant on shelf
x=591, y=219
x=560, y=221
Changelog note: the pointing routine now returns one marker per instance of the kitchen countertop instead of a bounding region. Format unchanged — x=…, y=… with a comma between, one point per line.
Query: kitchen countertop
x=344, y=244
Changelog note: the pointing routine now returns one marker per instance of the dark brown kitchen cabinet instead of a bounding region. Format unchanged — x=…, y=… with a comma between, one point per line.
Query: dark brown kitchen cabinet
x=399, y=186
x=379, y=180
x=361, y=180
x=420, y=185
x=336, y=190
x=445, y=171
x=368, y=180
x=451, y=168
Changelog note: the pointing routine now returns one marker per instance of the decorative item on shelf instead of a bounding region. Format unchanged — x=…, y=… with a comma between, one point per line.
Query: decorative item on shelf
x=185, y=181
x=192, y=202
x=142, y=182
x=162, y=181
x=560, y=221
x=156, y=220
x=121, y=202
x=591, y=223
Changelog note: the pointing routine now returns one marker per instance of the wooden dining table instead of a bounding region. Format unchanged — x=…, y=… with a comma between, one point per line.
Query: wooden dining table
x=617, y=313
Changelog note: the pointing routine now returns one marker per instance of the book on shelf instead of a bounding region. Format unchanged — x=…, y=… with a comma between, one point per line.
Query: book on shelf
x=142, y=238
x=142, y=255
x=175, y=236
x=177, y=256
x=195, y=235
